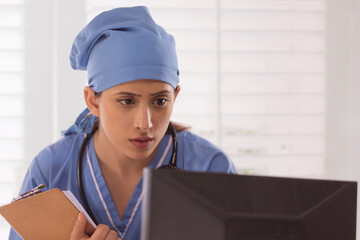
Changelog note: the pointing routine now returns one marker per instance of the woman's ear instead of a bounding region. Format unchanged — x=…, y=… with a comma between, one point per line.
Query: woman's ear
x=92, y=101
x=177, y=90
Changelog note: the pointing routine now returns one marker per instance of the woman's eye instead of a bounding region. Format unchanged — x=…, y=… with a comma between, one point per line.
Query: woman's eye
x=126, y=102
x=161, y=101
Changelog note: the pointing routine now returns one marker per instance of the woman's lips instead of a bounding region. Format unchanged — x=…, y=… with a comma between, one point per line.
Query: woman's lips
x=141, y=142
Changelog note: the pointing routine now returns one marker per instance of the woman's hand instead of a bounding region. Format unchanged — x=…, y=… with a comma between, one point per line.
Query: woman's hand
x=102, y=231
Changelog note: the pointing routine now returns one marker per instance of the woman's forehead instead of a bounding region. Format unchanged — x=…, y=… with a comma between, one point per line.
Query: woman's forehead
x=144, y=86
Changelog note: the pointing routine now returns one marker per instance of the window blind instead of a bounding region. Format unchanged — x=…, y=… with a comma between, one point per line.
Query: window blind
x=11, y=101
x=273, y=86
x=270, y=86
x=252, y=76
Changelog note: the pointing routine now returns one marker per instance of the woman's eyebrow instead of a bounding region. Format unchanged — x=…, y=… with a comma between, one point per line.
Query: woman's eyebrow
x=128, y=94
x=159, y=93
x=139, y=95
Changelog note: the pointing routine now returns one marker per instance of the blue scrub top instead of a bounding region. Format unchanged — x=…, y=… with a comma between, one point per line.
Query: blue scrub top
x=56, y=166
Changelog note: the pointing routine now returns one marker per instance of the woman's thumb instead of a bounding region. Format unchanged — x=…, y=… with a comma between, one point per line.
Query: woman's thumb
x=78, y=231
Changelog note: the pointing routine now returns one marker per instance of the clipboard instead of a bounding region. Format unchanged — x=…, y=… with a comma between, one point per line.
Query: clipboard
x=45, y=215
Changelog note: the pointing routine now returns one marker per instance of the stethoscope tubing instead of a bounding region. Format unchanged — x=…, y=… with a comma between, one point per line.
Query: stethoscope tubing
x=172, y=165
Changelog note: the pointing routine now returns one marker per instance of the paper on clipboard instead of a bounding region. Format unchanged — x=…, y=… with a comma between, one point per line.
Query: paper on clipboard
x=47, y=215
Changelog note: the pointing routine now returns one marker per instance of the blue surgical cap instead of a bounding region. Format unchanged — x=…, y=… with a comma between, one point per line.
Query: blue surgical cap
x=122, y=45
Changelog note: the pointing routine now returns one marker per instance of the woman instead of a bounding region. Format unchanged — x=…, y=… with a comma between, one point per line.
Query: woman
x=132, y=86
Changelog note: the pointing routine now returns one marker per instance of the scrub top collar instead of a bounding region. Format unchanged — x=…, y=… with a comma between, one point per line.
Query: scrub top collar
x=100, y=193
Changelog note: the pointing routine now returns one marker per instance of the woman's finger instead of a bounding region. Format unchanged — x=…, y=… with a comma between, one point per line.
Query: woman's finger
x=112, y=235
x=101, y=232
x=78, y=232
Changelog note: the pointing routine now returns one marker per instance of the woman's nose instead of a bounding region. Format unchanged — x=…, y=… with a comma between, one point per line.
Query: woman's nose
x=143, y=119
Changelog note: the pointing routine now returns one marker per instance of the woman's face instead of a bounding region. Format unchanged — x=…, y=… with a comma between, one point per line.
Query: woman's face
x=134, y=117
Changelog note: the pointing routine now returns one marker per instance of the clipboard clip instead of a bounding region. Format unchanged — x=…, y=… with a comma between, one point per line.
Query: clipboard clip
x=32, y=192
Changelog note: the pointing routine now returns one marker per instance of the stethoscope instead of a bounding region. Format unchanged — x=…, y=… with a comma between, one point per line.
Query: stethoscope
x=170, y=166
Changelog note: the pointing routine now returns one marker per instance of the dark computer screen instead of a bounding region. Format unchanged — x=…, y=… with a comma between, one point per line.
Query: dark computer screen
x=213, y=206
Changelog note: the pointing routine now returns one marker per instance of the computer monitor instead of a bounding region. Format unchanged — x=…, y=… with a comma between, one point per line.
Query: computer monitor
x=213, y=206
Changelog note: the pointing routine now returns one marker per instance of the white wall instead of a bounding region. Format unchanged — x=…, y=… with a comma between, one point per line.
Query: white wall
x=343, y=90
x=53, y=90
